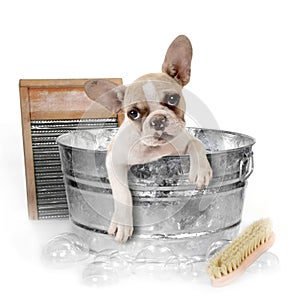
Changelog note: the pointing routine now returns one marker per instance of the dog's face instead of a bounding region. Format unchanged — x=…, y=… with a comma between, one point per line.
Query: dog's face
x=153, y=104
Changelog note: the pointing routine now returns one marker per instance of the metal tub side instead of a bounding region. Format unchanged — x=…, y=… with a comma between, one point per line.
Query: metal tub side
x=167, y=208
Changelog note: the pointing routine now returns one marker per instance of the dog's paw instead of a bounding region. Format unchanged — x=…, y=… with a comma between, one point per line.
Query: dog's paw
x=201, y=175
x=121, y=231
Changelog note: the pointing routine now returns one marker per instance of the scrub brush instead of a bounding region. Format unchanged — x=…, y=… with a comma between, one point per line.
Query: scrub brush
x=231, y=262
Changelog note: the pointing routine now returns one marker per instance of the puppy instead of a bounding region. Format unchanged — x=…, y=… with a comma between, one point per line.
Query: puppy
x=154, y=126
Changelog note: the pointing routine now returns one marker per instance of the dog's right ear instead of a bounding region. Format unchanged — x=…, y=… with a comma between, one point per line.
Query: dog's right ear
x=105, y=92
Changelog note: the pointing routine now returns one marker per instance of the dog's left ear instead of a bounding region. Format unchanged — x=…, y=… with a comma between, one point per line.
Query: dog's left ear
x=105, y=92
x=178, y=60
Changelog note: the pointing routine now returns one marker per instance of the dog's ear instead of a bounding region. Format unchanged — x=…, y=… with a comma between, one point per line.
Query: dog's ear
x=178, y=60
x=105, y=92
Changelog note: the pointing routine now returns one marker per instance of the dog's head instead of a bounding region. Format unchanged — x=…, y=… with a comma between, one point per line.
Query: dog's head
x=154, y=103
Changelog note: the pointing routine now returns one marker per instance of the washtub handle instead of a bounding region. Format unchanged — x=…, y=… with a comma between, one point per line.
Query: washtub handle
x=246, y=166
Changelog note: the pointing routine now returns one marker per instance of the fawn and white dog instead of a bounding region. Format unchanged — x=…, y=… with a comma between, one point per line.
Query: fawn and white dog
x=154, y=126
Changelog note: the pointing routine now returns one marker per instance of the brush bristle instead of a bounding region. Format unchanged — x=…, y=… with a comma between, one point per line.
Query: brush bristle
x=234, y=254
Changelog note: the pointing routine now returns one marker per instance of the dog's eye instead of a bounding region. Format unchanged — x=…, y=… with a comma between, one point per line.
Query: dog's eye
x=133, y=114
x=172, y=99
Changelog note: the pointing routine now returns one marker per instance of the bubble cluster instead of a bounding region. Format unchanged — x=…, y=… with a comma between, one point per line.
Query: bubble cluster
x=109, y=265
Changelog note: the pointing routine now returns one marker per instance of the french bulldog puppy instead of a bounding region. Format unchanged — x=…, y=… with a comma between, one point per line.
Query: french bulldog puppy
x=154, y=126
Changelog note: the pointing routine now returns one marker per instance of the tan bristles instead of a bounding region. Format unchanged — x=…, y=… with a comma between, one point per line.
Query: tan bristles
x=242, y=252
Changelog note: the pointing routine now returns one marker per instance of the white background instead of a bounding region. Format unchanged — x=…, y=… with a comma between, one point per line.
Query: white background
x=246, y=69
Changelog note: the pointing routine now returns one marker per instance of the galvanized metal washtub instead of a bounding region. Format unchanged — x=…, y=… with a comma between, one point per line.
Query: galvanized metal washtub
x=168, y=209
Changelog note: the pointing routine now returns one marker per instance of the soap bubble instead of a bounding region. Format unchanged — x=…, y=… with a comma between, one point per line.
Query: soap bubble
x=154, y=254
x=150, y=261
x=172, y=265
x=216, y=247
x=105, y=255
x=99, y=274
x=120, y=261
x=65, y=248
x=185, y=266
x=199, y=270
x=149, y=269
x=267, y=261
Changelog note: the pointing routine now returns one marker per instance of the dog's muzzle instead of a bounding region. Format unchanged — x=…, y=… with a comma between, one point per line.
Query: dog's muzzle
x=159, y=122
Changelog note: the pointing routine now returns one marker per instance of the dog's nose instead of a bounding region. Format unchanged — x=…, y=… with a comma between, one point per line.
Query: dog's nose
x=158, y=122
